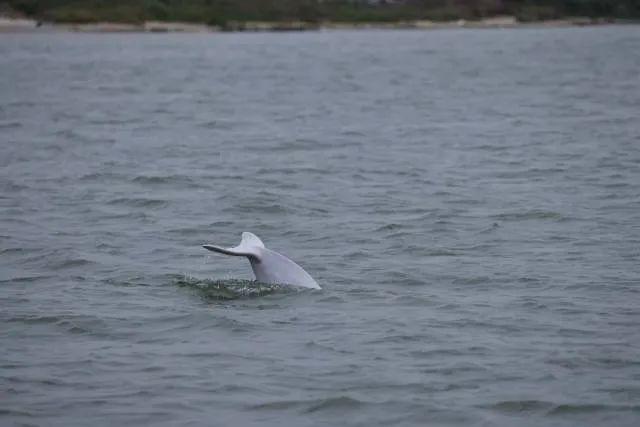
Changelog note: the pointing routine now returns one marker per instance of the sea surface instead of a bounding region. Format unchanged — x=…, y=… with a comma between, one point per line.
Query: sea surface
x=469, y=201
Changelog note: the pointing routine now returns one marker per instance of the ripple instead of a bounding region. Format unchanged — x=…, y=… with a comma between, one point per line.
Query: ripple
x=258, y=207
x=138, y=202
x=34, y=319
x=26, y=279
x=551, y=408
x=74, y=324
x=160, y=180
x=529, y=215
x=340, y=403
x=69, y=263
x=478, y=280
x=589, y=408
x=431, y=252
x=390, y=227
x=521, y=406
x=16, y=412
x=99, y=176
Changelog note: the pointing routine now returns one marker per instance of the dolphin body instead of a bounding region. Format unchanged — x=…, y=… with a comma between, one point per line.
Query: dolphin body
x=268, y=266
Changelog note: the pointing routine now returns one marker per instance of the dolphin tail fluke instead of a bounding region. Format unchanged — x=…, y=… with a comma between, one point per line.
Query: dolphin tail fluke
x=249, y=246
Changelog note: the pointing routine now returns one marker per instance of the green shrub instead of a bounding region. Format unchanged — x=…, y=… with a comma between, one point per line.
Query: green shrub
x=221, y=12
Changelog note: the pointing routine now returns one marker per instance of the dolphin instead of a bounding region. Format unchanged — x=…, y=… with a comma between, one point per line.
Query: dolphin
x=268, y=266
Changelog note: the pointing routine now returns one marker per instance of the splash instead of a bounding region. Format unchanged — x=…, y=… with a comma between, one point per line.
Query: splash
x=231, y=289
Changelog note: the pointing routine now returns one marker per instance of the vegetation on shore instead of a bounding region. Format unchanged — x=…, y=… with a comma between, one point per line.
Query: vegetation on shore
x=227, y=13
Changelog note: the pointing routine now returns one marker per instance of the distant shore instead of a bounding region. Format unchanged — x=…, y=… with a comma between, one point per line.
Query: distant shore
x=29, y=25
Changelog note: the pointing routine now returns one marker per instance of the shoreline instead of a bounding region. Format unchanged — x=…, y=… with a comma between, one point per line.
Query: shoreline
x=18, y=25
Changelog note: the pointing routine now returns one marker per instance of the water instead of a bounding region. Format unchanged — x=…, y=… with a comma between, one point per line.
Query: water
x=468, y=200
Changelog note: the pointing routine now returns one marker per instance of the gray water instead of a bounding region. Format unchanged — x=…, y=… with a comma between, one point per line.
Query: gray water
x=469, y=201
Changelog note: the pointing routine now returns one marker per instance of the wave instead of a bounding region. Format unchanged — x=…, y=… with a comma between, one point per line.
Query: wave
x=340, y=403
x=158, y=180
x=69, y=323
x=550, y=408
x=138, y=202
x=68, y=263
x=529, y=215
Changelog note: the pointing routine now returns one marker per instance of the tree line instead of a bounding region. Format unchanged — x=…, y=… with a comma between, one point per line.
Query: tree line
x=221, y=12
